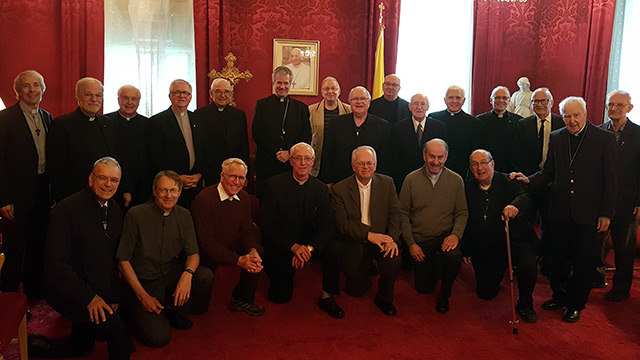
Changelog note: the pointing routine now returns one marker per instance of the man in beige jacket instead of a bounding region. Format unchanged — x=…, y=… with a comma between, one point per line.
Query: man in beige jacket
x=321, y=115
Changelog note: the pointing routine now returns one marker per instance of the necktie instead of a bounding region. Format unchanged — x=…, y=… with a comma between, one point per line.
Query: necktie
x=419, y=134
x=105, y=213
x=541, y=135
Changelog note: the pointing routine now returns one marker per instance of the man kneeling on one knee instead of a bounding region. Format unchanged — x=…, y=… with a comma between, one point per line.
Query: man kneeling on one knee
x=491, y=197
x=164, y=287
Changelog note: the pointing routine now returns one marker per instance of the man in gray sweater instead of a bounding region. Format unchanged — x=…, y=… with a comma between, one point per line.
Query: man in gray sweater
x=434, y=216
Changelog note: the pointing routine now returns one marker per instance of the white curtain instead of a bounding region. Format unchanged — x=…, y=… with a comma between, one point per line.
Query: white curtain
x=435, y=49
x=624, y=72
x=148, y=44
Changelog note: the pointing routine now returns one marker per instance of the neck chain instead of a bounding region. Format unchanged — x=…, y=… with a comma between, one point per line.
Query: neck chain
x=486, y=202
x=34, y=118
x=572, y=157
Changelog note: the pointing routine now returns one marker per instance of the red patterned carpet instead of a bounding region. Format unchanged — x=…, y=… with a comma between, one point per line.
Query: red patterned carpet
x=473, y=329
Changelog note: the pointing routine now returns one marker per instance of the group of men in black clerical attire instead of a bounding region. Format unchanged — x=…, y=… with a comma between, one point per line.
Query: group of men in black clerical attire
x=353, y=185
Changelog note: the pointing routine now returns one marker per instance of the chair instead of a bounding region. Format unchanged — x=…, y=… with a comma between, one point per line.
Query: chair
x=13, y=320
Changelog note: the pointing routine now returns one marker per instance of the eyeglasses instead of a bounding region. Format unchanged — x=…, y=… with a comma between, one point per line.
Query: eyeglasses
x=300, y=158
x=616, y=106
x=360, y=99
x=105, y=179
x=220, y=92
x=364, y=163
x=479, y=164
x=334, y=89
x=391, y=84
x=235, y=177
x=501, y=97
x=172, y=192
x=90, y=95
x=179, y=93
x=541, y=101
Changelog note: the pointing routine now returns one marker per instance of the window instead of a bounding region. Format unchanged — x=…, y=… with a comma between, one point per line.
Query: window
x=148, y=44
x=623, y=68
x=435, y=49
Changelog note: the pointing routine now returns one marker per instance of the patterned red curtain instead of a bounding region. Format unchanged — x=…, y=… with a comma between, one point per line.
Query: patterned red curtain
x=347, y=31
x=62, y=39
x=560, y=44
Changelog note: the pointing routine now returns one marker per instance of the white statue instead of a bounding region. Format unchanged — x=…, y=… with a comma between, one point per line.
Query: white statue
x=521, y=100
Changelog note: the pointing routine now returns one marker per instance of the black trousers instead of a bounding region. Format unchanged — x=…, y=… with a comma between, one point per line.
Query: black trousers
x=23, y=246
x=245, y=289
x=575, y=247
x=624, y=231
x=153, y=329
x=436, y=264
x=359, y=282
x=83, y=336
x=540, y=197
x=278, y=266
x=489, y=271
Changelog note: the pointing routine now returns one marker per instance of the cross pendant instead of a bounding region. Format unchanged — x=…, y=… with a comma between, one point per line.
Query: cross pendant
x=37, y=132
x=484, y=217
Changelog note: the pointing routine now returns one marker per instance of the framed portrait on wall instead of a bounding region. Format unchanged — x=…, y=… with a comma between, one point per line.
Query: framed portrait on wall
x=301, y=56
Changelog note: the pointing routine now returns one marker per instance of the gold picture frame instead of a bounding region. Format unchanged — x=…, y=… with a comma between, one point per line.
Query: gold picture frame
x=301, y=56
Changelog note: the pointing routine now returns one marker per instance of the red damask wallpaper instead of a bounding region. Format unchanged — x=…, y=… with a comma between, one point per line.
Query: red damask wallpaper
x=345, y=29
x=559, y=44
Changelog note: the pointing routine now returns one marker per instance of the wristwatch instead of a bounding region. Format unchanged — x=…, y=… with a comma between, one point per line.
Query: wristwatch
x=189, y=271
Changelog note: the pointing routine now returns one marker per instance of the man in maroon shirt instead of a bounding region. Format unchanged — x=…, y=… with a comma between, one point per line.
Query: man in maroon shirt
x=222, y=217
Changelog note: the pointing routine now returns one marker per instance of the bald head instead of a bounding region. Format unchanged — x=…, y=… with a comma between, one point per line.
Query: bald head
x=391, y=87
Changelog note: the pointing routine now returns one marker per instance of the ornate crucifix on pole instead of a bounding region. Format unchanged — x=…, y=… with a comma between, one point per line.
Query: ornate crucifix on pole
x=231, y=73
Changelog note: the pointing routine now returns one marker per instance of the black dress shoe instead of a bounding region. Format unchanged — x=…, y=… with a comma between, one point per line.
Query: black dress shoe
x=442, y=305
x=552, y=304
x=387, y=308
x=571, y=315
x=615, y=296
x=179, y=322
x=38, y=345
x=527, y=314
x=331, y=307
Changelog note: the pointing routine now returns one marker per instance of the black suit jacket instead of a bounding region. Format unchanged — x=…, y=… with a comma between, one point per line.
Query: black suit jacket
x=497, y=137
x=384, y=212
x=133, y=150
x=464, y=138
x=405, y=150
x=487, y=238
x=527, y=153
x=628, y=152
x=168, y=149
x=72, y=148
x=586, y=190
x=227, y=134
x=267, y=128
x=19, y=159
x=296, y=214
x=80, y=255
x=379, y=108
x=343, y=137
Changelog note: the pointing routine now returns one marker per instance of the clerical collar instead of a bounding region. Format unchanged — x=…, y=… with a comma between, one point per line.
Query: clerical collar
x=221, y=109
x=128, y=118
x=281, y=99
x=484, y=187
x=298, y=181
x=453, y=114
x=500, y=115
x=92, y=118
x=224, y=196
x=27, y=109
x=580, y=131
